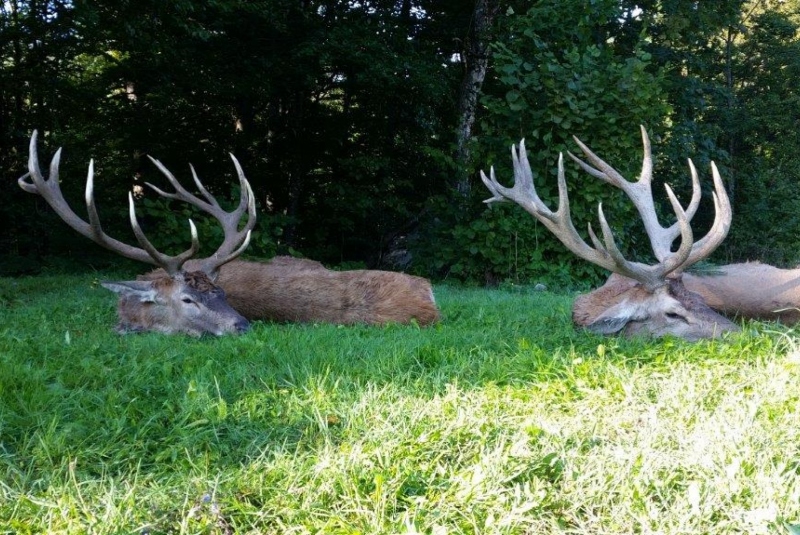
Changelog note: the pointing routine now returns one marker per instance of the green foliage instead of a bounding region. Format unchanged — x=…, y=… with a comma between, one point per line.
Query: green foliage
x=333, y=108
x=730, y=71
x=506, y=244
x=545, y=87
x=343, y=115
x=764, y=153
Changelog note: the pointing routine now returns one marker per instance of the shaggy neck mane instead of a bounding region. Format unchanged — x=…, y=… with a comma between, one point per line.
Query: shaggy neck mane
x=199, y=281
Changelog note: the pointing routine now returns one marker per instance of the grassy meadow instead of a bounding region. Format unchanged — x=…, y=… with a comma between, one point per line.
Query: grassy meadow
x=503, y=419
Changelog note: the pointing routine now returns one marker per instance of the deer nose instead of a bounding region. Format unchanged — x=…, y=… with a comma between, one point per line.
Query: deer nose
x=242, y=326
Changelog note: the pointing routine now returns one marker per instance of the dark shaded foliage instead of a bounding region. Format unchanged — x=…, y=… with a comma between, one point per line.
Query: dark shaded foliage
x=344, y=116
x=334, y=110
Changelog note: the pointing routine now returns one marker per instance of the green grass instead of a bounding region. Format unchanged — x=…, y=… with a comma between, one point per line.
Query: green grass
x=501, y=419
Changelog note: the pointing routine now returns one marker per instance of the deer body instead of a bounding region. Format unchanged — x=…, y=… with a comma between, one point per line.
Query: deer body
x=287, y=289
x=189, y=296
x=750, y=290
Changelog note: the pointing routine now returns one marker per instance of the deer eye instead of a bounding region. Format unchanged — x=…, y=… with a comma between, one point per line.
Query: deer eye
x=187, y=300
x=676, y=316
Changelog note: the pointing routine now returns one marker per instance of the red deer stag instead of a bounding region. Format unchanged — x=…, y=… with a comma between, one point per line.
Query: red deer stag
x=180, y=300
x=284, y=289
x=653, y=301
x=729, y=289
x=287, y=289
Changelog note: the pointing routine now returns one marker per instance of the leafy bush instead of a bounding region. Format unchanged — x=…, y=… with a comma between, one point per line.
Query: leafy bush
x=545, y=90
x=503, y=244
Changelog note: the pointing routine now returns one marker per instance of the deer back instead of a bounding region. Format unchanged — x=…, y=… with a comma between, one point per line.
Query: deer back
x=187, y=303
x=750, y=290
x=287, y=289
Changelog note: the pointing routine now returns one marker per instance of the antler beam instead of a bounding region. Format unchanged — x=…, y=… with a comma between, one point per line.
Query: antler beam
x=234, y=243
x=641, y=194
x=228, y=220
x=605, y=253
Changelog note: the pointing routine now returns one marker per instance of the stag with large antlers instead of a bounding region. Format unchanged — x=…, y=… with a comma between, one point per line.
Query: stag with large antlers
x=217, y=293
x=179, y=301
x=287, y=289
x=641, y=299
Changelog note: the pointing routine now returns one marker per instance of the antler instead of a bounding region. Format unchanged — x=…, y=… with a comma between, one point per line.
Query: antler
x=228, y=220
x=34, y=182
x=606, y=253
x=640, y=192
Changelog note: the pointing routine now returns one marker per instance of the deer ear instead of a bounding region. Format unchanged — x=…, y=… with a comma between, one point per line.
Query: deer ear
x=608, y=325
x=143, y=291
x=617, y=317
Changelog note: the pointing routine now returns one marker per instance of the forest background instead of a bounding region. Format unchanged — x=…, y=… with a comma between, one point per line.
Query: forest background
x=362, y=125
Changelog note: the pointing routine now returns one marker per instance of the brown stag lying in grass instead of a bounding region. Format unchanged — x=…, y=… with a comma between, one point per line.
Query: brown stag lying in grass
x=287, y=289
x=180, y=300
x=653, y=299
x=747, y=290
x=219, y=294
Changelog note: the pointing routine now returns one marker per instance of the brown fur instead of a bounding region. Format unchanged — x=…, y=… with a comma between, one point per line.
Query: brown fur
x=750, y=290
x=133, y=317
x=588, y=307
x=199, y=281
x=624, y=305
x=287, y=289
x=188, y=303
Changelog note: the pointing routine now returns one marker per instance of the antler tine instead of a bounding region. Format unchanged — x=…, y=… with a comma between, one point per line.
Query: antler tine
x=723, y=214
x=652, y=276
x=640, y=193
x=694, y=202
x=679, y=258
x=181, y=193
x=235, y=241
x=171, y=264
x=604, y=171
x=247, y=201
x=523, y=193
x=34, y=182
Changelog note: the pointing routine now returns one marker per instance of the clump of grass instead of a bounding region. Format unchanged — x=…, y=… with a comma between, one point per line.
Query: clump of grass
x=501, y=419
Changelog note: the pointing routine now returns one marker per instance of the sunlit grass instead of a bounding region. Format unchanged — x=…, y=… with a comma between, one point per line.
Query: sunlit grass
x=501, y=419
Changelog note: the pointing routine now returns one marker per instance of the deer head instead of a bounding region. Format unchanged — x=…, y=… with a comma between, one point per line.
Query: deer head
x=647, y=299
x=179, y=301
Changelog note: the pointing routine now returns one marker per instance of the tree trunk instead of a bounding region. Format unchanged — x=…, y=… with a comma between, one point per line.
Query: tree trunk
x=475, y=58
x=729, y=42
